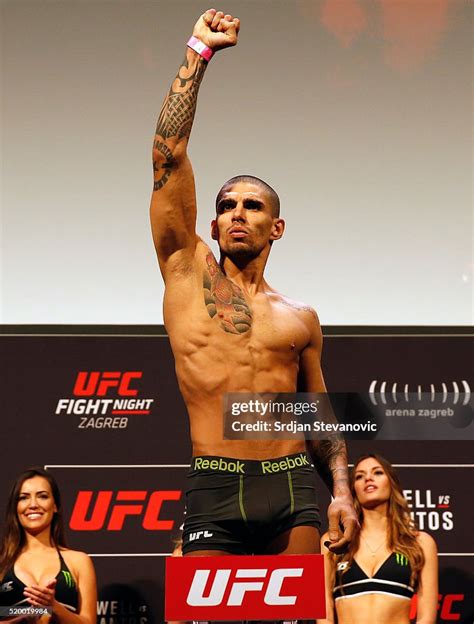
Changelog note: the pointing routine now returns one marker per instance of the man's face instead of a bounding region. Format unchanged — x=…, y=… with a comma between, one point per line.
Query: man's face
x=245, y=224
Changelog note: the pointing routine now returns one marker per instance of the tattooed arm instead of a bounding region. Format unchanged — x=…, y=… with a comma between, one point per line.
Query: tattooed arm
x=329, y=455
x=173, y=203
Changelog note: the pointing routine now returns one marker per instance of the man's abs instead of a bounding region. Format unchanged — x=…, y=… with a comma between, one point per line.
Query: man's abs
x=212, y=361
x=204, y=396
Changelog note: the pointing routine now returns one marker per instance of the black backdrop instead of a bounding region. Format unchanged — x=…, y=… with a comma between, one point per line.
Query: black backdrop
x=123, y=475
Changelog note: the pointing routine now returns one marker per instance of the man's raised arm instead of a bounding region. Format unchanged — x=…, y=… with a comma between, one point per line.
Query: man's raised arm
x=173, y=203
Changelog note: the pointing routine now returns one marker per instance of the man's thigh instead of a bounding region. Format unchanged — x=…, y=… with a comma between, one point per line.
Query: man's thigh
x=300, y=540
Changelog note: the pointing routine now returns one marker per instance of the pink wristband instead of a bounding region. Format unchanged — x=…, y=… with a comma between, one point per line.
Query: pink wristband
x=198, y=46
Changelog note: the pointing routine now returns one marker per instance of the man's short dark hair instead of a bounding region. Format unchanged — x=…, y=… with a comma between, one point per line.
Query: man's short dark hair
x=274, y=199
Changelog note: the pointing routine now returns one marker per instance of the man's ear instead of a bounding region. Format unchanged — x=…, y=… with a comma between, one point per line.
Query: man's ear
x=214, y=233
x=277, y=229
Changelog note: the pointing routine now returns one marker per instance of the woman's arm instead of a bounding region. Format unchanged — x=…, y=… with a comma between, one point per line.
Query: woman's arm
x=427, y=595
x=329, y=577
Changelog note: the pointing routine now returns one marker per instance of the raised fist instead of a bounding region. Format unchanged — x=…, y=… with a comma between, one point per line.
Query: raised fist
x=217, y=30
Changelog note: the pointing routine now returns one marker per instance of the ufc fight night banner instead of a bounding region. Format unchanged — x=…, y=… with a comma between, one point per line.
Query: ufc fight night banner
x=101, y=409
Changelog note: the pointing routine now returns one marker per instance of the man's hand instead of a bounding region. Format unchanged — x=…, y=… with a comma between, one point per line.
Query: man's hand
x=217, y=30
x=341, y=512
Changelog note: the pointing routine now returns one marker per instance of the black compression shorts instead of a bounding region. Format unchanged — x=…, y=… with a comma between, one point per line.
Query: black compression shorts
x=241, y=506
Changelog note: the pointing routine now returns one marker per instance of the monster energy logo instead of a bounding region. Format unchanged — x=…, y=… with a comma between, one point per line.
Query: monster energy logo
x=68, y=578
x=401, y=559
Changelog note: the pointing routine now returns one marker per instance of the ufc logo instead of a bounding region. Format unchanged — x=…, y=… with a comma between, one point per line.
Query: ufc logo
x=245, y=587
x=238, y=589
x=110, y=512
x=448, y=610
x=98, y=384
x=198, y=534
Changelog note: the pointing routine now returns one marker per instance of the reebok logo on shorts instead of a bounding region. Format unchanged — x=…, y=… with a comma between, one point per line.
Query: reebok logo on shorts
x=282, y=465
x=251, y=466
x=224, y=465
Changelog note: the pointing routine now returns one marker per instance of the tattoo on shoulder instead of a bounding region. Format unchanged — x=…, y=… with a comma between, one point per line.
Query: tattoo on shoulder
x=224, y=300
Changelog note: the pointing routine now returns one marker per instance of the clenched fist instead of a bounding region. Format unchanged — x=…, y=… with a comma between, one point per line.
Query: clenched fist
x=217, y=30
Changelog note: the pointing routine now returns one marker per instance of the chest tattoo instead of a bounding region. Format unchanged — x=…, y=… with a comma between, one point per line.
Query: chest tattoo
x=225, y=300
x=299, y=307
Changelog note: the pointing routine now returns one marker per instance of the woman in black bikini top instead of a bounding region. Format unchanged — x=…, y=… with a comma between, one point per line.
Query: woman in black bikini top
x=388, y=562
x=36, y=568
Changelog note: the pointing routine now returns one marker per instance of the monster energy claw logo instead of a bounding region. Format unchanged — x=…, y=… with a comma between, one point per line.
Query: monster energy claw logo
x=68, y=578
x=401, y=559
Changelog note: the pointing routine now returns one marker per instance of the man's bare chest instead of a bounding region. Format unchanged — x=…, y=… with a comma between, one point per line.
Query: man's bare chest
x=271, y=334
x=262, y=318
x=218, y=313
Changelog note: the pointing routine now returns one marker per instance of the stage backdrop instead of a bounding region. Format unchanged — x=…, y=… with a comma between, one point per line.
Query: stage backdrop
x=100, y=408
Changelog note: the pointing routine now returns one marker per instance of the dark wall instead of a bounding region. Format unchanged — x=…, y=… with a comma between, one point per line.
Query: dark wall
x=123, y=474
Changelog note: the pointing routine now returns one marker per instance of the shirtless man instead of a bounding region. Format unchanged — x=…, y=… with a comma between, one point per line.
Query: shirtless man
x=231, y=332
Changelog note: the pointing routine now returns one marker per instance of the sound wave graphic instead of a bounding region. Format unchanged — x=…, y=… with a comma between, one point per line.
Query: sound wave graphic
x=396, y=395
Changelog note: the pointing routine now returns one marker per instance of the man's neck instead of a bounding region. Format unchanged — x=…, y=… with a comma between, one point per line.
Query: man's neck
x=246, y=274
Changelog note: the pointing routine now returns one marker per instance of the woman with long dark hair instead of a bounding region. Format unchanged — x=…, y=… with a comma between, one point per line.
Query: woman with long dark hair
x=388, y=561
x=36, y=567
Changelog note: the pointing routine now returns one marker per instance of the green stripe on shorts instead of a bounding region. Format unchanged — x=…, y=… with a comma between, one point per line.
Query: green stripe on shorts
x=290, y=487
x=241, y=497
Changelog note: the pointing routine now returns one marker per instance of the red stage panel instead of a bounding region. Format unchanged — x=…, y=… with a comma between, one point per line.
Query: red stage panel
x=253, y=587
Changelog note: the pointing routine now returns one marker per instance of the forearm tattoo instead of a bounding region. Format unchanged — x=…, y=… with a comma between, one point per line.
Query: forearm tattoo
x=331, y=469
x=162, y=169
x=225, y=300
x=176, y=116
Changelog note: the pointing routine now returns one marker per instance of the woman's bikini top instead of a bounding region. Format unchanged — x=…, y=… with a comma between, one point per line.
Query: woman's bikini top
x=11, y=588
x=392, y=578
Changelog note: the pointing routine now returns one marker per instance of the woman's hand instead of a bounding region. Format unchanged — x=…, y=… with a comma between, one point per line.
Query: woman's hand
x=41, y=595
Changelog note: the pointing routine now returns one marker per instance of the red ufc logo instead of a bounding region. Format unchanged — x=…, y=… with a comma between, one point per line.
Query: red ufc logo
x=196, y=597
x=448, y=611
x=110, y=512
x=256, y=587
x=98, y=384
